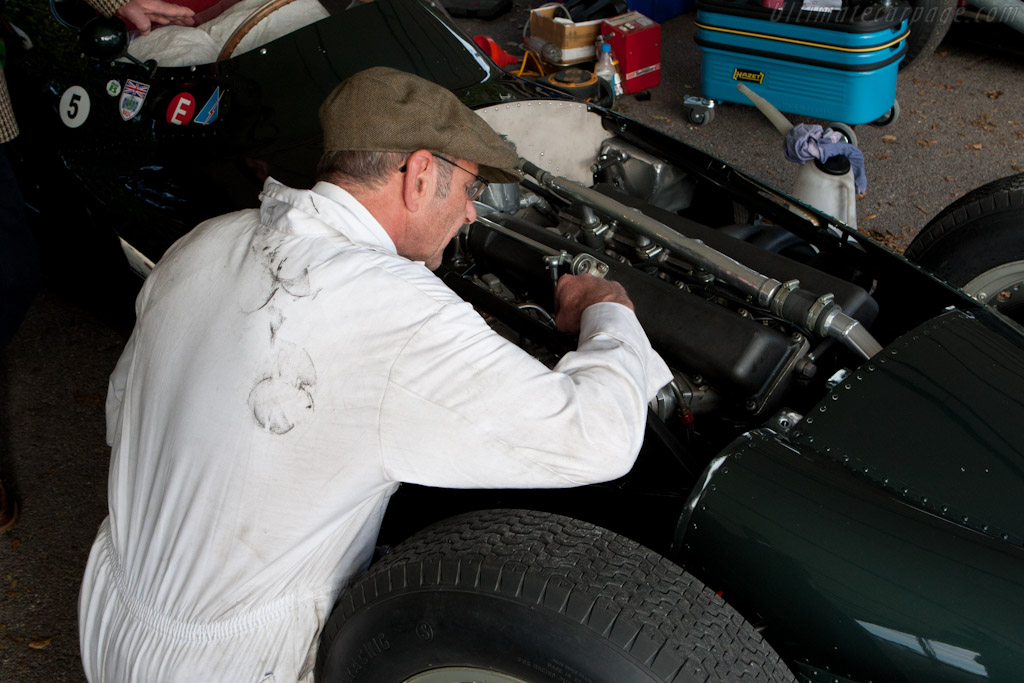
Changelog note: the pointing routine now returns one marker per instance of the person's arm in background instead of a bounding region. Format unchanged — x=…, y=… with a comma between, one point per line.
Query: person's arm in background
x=144, y=14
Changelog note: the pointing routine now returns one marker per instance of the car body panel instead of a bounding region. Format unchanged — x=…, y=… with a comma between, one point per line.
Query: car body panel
x=152, y=180
x=877, y=528
x=935, y=434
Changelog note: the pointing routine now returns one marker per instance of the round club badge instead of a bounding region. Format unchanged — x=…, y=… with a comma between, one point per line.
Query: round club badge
x=113, y=88
x=74, y=106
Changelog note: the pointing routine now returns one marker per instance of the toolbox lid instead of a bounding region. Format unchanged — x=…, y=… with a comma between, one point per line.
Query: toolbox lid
x=858, y=16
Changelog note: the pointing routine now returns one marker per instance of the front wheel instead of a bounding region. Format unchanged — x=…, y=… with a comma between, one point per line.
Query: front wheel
x=512, y=596
x=977, y=243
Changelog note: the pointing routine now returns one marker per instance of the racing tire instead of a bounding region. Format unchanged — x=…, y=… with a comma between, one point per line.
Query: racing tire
x=929, y=23
x=504, y=596
x=977, y=243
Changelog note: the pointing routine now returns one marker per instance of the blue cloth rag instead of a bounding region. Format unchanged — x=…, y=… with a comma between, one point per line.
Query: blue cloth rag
x=809, y=141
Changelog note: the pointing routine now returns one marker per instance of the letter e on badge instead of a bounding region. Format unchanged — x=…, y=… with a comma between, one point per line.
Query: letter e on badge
x=181, y=109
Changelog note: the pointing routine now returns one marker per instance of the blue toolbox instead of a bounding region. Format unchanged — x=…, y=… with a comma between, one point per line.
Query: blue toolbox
x=820, y=58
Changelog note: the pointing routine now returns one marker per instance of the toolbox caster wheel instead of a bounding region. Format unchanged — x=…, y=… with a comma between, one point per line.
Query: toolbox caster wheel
x=889, y=117
x=700, y=111
x=847, y=131
x=700, y=117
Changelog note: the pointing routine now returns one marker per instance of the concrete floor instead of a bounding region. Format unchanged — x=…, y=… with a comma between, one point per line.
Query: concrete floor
x=962, y=125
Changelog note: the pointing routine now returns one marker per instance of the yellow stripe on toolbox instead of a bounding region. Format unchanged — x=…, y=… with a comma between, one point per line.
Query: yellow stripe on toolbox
x=826, y=46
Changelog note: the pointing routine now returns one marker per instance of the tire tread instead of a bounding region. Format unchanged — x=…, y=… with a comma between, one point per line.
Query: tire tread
x=942, y=244
x=647, y=605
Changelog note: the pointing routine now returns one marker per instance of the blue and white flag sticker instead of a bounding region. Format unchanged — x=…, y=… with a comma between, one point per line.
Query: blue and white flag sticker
x=132, y=97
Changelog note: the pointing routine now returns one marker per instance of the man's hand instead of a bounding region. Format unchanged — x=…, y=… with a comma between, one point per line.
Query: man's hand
x=145, y=13
x=576, y=292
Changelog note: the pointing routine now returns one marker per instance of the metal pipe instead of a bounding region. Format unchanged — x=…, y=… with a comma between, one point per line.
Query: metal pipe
x=748, y=281
x=852, y=334
x=497, y=227
x=818, y=313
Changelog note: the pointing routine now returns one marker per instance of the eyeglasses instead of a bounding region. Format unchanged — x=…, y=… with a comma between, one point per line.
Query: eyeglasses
x=473, y=191
x=478, y=186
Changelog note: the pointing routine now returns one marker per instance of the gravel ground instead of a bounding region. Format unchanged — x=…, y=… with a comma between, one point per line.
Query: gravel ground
x=962, y=125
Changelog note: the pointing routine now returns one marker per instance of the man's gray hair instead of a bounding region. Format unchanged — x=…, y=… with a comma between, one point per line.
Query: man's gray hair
x=371, y=170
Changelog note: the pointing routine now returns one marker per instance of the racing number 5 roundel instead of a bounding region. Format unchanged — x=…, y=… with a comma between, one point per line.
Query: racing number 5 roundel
x=74, y=106
x=181, y=109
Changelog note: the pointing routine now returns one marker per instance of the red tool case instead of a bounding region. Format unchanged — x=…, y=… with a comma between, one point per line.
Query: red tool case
x=636, y=42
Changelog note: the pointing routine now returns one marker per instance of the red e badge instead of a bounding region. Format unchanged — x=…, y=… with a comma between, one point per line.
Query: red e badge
x=181, y=109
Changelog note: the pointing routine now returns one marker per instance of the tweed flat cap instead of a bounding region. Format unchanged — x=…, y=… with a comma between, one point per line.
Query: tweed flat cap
x=385, y=110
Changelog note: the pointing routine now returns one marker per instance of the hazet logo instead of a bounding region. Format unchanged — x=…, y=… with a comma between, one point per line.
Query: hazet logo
x=749, y=76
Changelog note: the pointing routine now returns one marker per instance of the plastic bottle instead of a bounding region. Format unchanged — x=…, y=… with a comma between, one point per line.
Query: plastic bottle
x=543, y=49
x=605, y=69
x=829, y=187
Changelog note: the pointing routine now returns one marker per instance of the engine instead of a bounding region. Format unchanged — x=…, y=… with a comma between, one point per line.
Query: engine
x=739, y=311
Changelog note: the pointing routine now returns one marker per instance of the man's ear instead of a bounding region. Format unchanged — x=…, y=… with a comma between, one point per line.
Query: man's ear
x=420, y=178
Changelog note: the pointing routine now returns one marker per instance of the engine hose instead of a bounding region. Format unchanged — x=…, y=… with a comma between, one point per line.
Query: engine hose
x=821, y=315
x=808, y=310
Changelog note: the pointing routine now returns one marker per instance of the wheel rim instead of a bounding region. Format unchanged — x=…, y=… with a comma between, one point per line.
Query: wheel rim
x=1001, y=288
x=462, y=674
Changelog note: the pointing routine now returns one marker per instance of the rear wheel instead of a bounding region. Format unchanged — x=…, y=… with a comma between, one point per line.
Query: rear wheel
x=977, y=243
x=511, y=596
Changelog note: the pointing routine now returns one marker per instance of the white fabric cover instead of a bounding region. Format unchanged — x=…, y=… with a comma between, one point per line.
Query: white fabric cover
x=187, y=45
x=286, y=371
